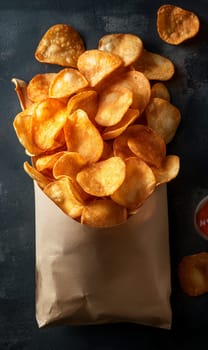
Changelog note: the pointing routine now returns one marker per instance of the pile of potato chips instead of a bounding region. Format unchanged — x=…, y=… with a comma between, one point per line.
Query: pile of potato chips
x=97, y=130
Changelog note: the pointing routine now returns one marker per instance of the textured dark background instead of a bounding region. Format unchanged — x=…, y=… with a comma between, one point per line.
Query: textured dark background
x=22, y=23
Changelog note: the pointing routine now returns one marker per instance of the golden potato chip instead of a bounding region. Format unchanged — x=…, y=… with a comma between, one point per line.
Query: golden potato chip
x=138, y=185
x=129, y=117
x=21, y=91
x=163, y=117
x=45, y=163
x=82, y=136
x=102, y=178
x=36, y=175
x=175, y=24
x=47, y=121
x=63, y=194
x=67, y=82
x=23, y=127
x=154, y=66
x=127, y=46
x=112, y=105
x=85, y=100
x=120, y=145
x=61, y=45
x=69, y=164
x=103, y=213
x=96, y=65
x=38, y=87
x=193, y=273
x=139, y=85
x=168, y=170
x=146, y=144
x=161, y=91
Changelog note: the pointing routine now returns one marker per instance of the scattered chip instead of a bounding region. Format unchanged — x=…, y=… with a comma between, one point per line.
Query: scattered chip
x=63, y=193
x=161, y=91
x=138, y=185
x=102, y=178
x=103, y=213
x=67, y=82
x=83, y=137
x=193, y=274
x=61, y=45
x=163, y=117
x=127, y=46
x=175, y=24
x=154, y=66
x=146, y=144
x=113, y=104
x=38, y=87
x=97, y=65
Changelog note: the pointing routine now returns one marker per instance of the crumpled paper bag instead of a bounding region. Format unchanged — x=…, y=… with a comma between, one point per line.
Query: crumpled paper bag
x=89, y=276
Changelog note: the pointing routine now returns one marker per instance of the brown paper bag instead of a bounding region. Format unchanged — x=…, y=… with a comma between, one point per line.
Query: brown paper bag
x=89, y=276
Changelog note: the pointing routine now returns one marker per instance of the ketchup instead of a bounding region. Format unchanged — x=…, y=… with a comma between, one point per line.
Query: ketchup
x=201, y=217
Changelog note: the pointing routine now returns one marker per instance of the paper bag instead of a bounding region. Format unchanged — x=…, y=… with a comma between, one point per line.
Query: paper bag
x=89, y=276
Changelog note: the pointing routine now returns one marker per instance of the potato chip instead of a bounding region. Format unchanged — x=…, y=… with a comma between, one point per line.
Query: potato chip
x=163, y=117
x=127, y=46
x=69, y=164
x=103, y=213
x=24, y=131
x=193, y=274
x=21, y=91
x=61, y=45
x=38, y=87
x=138, y=185
x=146, y=144
x=120, y=145
x=175, y=24
x=102, y=178
x=139, y=85
x=114, y=131
x=62, y=193
x=45, y=163
x=154, y=66
x=161, y=91
x=83, y=137
x=97, y=65
x=168, y=170
x=67, y=82
x=36, y=175
x=85, y=100
x=113, y=104
x=47, y=121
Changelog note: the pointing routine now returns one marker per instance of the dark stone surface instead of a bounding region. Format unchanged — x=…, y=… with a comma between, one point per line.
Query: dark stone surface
x=22, y=24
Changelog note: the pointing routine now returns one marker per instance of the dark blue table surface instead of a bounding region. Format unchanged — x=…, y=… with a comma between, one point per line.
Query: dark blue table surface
x=22, y=23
